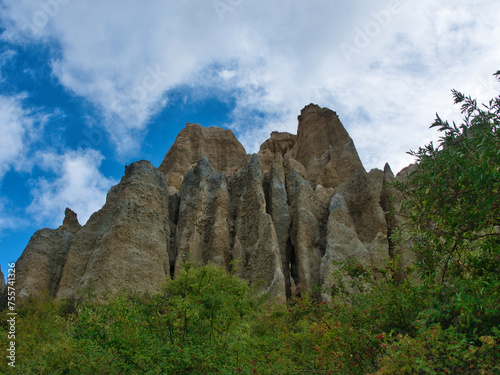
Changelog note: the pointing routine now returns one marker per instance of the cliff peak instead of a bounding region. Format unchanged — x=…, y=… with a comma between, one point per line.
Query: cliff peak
x=224, y=152
x=71, y=220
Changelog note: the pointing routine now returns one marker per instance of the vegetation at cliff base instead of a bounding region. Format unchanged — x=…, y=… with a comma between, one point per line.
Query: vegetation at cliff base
x=438, y=315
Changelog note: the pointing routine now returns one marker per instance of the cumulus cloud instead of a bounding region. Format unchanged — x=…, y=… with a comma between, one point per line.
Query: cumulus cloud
x=385, y=66
x=19, y=128
x=77, y=183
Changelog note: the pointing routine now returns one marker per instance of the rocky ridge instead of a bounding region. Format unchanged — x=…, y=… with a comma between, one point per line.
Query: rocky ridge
x=280, y=218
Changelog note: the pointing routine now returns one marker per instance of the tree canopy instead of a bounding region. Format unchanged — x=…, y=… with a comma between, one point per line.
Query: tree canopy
x=452, y=201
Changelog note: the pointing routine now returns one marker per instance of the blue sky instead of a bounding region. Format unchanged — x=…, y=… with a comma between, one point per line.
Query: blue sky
x=87, y=87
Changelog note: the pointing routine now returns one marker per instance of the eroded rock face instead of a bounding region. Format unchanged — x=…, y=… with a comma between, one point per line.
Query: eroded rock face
x=278, y=144
x=281, y=219
x=39, y=268
x=324, y=148
x=255, y=245
x=123, y=246
x=203, y=227
x=223, y=151
x=362, y=194
x=277, y=207
x=307, y=231
x=342, y=242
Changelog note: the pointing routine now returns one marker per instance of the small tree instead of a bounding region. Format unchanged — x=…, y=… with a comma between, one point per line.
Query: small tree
x=452, y=202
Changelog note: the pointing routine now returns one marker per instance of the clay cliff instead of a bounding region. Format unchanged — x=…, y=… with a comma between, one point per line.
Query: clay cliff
x=279, y=219
x=40, y=266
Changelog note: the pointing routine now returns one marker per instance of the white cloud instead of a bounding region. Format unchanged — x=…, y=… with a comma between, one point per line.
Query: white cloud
x=19, y=128
x=275, y=57
x=78, y=184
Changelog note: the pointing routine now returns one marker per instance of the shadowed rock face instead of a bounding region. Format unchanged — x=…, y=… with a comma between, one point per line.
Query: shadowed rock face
x=308, y=216
x=277, y=207
x=279, y=219
x=39, y=268
x=255, y=247
x=342, y=241
x=203, y=227
x=362, y=194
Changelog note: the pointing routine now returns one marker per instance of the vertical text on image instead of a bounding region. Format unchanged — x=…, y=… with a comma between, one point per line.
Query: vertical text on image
x=11, y=315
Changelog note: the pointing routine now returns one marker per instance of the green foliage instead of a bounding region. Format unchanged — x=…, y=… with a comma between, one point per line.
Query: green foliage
x=422, y=327
x=205, y=322
x=201, y=302
x=380, y=297
x=453, y=199
x=193, y=326
x=42, y=336
x=437, y=351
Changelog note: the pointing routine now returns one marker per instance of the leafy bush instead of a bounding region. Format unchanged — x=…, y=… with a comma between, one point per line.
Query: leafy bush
x=452, y=200
x=437, y=351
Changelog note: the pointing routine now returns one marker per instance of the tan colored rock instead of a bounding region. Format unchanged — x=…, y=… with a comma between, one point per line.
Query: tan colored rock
x=203, y=226
x=342, y=243
x=282, y=218
x=224, y=152
x=362, y=194
x=406, y=173
x=278, y=144
x=307, y=231
x=123, y=246
x=255, y=246
x=278, y=209
x=325, y=195
x=324, y=148
x=39, y=268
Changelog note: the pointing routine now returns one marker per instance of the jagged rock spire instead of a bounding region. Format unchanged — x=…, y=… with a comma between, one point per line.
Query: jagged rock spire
x=278, y=219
